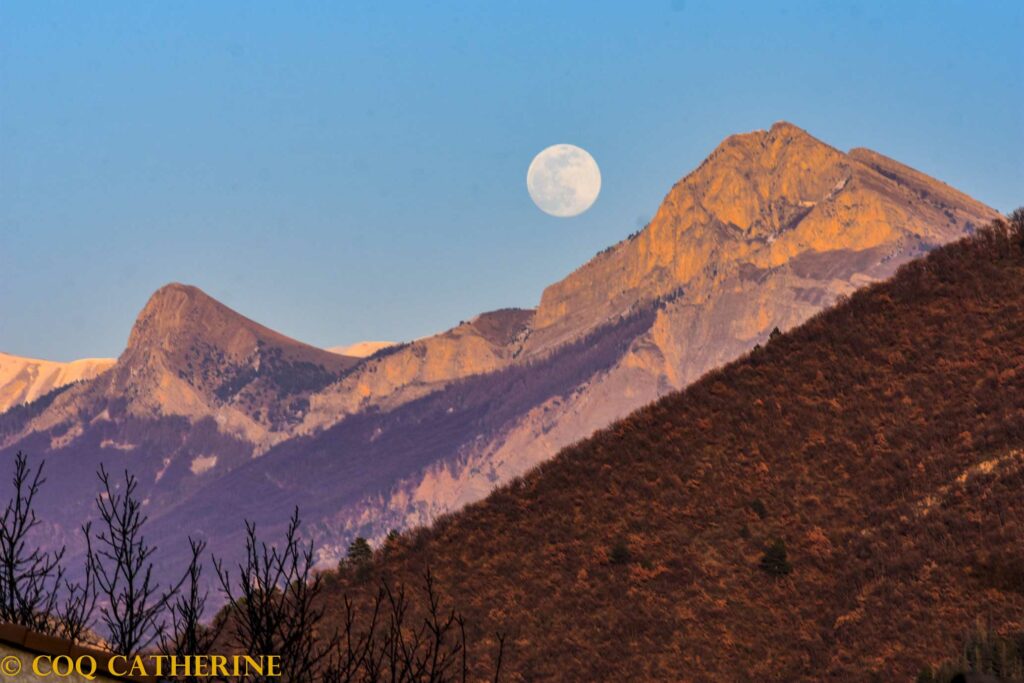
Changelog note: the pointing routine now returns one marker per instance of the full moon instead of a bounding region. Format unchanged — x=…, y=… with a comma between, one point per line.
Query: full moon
x=563, y=180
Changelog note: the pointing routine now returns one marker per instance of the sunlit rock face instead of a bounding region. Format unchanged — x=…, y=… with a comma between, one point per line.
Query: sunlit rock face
x=23, y=380
x=759, y=201
x=405, y=372
x=191, y=355
x=361, y=349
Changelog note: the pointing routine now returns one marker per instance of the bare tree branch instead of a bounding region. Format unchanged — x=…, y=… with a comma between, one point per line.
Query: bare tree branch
x=134, y=607
x=34, y=591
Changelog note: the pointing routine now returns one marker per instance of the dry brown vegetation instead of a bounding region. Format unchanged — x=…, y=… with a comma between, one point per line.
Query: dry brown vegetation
x=880, y=443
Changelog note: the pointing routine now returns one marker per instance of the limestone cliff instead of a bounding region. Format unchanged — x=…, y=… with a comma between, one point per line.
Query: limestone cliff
x=406, y=372
x=760, y=200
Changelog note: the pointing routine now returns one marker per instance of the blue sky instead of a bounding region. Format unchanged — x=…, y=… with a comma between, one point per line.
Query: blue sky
x=346, y=171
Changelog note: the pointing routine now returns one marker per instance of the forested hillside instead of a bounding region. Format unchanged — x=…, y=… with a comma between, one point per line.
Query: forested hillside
x=842, y=504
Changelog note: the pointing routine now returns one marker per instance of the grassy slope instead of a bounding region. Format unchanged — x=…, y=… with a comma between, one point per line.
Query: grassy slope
x=864, y=433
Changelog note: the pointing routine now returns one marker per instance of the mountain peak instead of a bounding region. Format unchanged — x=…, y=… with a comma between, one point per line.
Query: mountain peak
x=761, y=200
x=178, y=289
x=179, y=319
x=785, y=125
x=177, y=311
x=179, y=296
x=761, y=146
x=190, y=352
x=780, y=127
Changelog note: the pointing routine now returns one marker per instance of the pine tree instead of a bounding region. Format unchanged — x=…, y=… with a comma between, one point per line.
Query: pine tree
x=775, y=561
x=620, y=553
x=390, y=541
x=359, y=558
x=359, y=551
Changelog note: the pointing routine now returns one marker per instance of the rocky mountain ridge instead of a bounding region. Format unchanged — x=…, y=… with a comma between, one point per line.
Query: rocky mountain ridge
x=761, y=200
x=773, y=227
